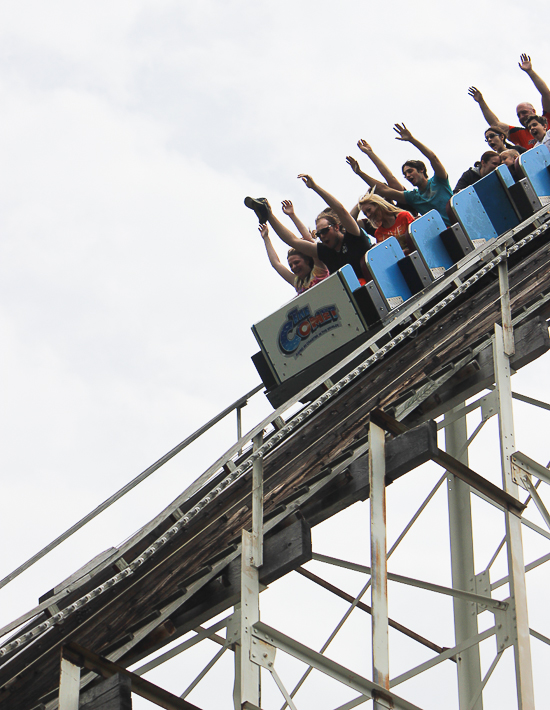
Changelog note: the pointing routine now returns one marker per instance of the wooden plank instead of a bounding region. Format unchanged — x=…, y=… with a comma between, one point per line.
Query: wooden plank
x=115, y=693
x=403, y=454
x=140, y=686
x=531, y=341
x=284, y=551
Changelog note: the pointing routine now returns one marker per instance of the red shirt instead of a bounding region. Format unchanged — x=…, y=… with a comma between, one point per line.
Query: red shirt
x=399, y=230
x=522, y=137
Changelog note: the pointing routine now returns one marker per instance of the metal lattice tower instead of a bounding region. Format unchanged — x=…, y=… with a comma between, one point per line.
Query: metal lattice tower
x=246, y=523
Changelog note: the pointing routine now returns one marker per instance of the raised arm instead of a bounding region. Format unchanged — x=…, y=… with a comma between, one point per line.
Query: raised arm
x=488, y=115
x=355, y=211
x=526, y=65
x=383, y=169
x=354, y=165
x=346, y=219
x=288, y=209
x=273, y=256
x=303, y=246
x=388, y=193
x=405, y=135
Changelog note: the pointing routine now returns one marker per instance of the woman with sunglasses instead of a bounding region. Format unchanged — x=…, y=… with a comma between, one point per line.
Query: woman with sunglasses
x=341, y=239
x=496, y=138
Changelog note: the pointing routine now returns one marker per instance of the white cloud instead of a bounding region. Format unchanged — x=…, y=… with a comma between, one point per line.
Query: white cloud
x=131, y=272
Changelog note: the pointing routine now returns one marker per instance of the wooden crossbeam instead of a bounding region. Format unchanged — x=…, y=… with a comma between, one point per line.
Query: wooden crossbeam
x=85, y=658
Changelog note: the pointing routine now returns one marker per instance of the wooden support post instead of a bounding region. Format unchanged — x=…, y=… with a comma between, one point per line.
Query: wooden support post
x=115, y=693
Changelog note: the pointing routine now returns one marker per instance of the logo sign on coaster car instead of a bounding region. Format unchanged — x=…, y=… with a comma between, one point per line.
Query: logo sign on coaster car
x=302, y=329
x=311, y=326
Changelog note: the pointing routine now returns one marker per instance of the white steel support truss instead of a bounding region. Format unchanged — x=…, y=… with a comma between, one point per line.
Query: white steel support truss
x=255, y=643
x=462, y=565
x=261, y=641
x=69, y=685
x=514, y=544
x=380, y=648
x=248, y=689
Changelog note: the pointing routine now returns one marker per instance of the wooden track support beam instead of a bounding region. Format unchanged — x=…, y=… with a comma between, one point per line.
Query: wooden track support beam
x=80, y=656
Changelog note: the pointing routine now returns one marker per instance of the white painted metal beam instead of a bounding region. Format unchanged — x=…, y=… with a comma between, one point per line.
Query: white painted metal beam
x=329, y=667
x=462, y=566
x=514, y=544
x=379, y=574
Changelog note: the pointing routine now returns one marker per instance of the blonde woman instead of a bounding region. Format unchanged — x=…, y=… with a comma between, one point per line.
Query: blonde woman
x=389, y=221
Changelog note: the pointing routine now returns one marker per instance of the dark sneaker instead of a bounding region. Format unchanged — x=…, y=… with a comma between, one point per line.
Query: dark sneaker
x=259, y=206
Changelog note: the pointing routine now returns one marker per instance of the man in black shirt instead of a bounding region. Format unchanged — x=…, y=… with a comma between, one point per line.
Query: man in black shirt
x=342, y=240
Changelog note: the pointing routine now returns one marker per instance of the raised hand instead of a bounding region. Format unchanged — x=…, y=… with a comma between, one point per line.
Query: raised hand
x=475, y=94
x=403, y=131
x=263, y=230
x=354, y=165
x=363, y=146
x=288, y=207
x=308, y=181
x=525, y=63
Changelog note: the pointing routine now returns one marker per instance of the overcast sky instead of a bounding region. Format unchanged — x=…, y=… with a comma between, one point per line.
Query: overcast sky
x=130, y=270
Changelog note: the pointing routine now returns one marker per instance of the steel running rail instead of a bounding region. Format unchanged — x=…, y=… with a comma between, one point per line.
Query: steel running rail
x=237, y=405
x=275, y=439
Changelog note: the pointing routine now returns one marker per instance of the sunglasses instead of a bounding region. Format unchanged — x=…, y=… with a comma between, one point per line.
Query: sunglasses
x=322, y=232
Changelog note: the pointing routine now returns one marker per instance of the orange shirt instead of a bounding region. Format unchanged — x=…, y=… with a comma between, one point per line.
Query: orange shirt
x=399, y=230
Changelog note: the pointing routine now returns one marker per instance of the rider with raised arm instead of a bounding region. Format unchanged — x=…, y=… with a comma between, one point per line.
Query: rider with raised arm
x=304, y=271
x=518, y=135
x=342, y=241
x=288, y=209
x=374, y=226
x=429, y=193
x=383, y=169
